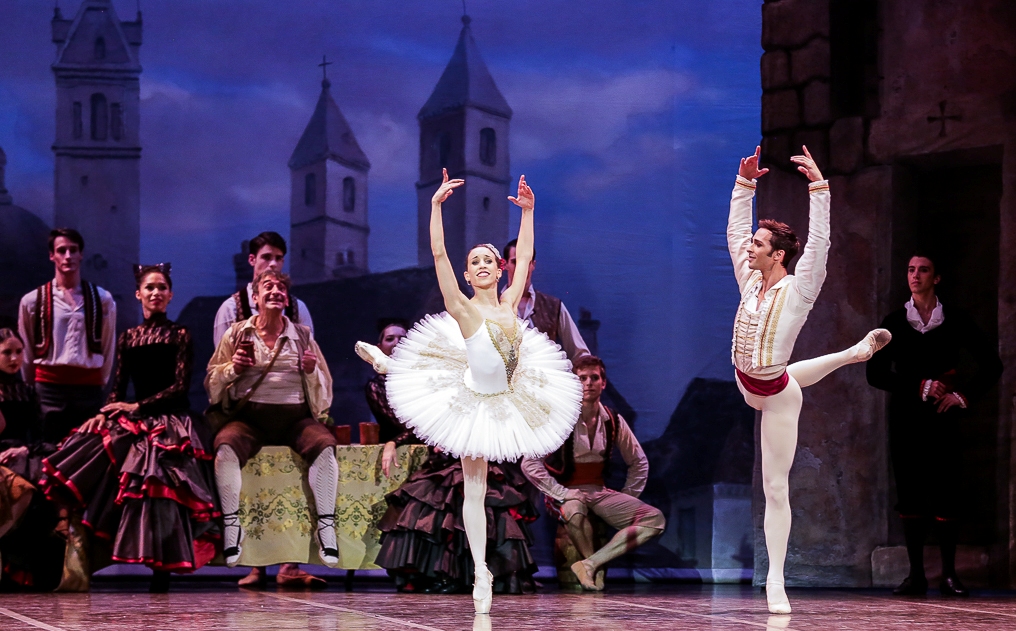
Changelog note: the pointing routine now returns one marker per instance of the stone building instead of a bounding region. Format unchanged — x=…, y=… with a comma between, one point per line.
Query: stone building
x=909, y=106
x=97, y=147
x=464, y=128
x=328, y=199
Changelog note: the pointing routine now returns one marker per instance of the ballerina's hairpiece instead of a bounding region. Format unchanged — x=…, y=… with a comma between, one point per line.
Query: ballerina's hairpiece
x=141, y=270
x=501, y=263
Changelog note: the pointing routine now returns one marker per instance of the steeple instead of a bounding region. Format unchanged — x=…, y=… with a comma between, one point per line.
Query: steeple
x=328, y=136
x=97, y=143
x=328, y=198
x=466, y=82
x=464, y=128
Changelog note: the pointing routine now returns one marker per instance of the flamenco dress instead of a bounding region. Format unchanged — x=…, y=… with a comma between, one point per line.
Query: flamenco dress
x=145, y=480
x=423, y=540
x=498, y=395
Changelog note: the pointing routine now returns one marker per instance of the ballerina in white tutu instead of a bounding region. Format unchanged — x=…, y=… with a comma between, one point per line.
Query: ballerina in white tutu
x=474, y=380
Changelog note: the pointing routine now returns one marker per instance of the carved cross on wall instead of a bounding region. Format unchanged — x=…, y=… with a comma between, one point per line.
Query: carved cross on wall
x=942, y=118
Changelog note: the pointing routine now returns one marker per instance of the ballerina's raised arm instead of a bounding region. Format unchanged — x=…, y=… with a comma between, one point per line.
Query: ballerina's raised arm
x=526, y=200
x=456, y=303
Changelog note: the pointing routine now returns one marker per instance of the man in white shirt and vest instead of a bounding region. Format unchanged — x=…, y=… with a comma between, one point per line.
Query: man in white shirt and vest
x=774, y=306
x=265, y=251
x=572, y=478
x=69, y=329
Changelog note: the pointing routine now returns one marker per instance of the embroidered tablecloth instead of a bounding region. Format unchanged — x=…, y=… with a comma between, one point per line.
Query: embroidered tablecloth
x=276, y=503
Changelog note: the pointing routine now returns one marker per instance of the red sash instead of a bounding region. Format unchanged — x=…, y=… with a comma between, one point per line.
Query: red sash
x=587, y=473
x=68, y=375
x=763, y=387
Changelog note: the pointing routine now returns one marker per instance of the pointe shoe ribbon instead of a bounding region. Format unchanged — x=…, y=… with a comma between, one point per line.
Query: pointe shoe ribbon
x=482, y=597
x=373, y=356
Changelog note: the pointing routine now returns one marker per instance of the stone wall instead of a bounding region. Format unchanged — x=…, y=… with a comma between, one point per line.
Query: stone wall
x=941, y=86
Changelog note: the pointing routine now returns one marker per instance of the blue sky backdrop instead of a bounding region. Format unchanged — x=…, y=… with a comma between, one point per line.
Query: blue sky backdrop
x=629, y=121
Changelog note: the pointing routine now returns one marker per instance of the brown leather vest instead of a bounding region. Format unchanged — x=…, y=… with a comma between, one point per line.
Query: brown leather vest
x=547, y=315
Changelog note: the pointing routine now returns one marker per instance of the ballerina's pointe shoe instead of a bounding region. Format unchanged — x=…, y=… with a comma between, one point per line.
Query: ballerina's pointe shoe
x=872, y=343
x=776, y=597
x=373, y=356
x=586, y=578
x=483, y=590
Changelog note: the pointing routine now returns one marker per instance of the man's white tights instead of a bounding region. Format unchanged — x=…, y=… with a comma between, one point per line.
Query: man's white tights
x=780, y=415
x=323, y=477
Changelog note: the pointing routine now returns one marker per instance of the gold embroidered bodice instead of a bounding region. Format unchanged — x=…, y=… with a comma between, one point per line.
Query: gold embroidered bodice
x=507, y=345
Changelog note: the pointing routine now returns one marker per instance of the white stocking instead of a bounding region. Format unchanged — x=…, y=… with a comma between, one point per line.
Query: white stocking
x=780, y=414
x=474, y=514
x=323, y=477
x=811, y=371
x=227, y=479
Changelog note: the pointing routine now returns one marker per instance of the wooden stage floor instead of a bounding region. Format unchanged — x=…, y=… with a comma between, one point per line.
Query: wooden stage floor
x=200, y=606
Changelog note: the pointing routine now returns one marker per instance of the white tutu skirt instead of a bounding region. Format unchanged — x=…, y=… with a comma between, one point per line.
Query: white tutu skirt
x=532, y=418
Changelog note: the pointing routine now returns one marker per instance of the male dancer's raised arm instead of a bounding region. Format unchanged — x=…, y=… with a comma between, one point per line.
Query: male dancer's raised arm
x=811, y=268
x=739, y=231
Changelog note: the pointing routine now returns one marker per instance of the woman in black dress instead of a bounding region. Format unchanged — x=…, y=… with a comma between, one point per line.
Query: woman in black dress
x=423, y=541
x=142, y=471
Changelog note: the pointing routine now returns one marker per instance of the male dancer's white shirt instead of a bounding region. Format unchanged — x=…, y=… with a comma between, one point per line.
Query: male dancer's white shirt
x=781, y=312
x=225, y=317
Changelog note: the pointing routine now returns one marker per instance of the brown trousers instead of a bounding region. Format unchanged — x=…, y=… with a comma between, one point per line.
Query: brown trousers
x=260, y=424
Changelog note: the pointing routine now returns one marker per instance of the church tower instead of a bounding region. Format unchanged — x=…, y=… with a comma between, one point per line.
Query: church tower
x=464, y=128
x=97, y=147
x=328, y=198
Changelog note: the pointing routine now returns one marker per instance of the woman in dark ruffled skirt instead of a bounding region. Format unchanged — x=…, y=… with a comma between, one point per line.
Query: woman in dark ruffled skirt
x=423, y=541
x=142, y=471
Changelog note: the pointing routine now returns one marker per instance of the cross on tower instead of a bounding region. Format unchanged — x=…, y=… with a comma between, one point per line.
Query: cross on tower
x=324, y=67
x=942, y=118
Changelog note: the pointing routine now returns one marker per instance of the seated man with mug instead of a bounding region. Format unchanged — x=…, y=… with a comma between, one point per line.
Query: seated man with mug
x=273, y=384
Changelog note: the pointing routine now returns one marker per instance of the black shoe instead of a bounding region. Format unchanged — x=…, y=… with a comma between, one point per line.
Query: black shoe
x=951, y=586
x=160, y=583
x=912, y=586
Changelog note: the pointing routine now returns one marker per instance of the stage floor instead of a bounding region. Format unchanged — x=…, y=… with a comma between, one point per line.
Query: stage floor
x=197, y=606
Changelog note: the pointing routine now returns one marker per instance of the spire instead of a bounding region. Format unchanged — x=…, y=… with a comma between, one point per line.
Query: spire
x=328, y=135
x=466, y=82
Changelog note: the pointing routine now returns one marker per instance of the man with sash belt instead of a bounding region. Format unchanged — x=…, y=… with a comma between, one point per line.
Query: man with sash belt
x=774, y=306
x=265, y=251
x=545, y=312
x=572, y=479
x=69, y=328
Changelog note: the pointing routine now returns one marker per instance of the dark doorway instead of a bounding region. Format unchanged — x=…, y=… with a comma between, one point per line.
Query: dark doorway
x=949, y=204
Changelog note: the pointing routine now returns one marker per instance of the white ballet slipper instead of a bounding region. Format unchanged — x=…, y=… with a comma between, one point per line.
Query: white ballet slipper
x=872, y=343
x=776, y=598
x=373, y=356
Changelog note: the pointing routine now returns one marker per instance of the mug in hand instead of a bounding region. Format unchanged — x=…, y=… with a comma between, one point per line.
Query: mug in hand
x=247, y=346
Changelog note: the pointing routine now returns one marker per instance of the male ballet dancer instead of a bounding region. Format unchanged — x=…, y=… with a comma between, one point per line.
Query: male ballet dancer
x=774, y=306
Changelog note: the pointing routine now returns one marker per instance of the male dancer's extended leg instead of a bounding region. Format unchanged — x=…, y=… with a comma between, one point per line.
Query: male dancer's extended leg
x=474, y=518
x=780, y=415
x=811, y=371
